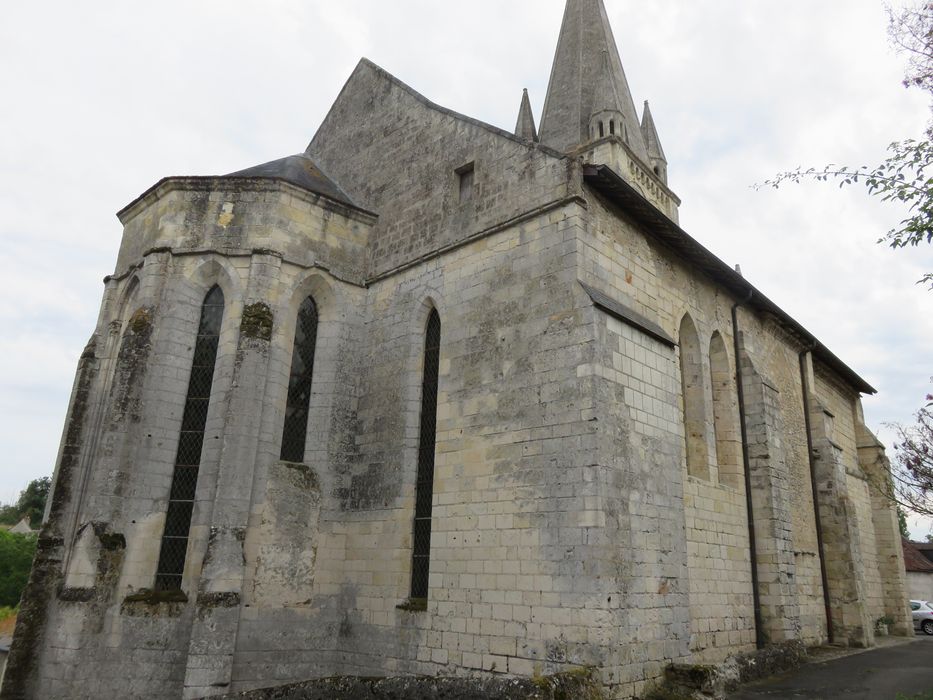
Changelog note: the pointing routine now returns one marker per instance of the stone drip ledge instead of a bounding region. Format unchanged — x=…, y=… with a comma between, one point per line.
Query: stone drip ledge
x=575, y=685
x=712, y=682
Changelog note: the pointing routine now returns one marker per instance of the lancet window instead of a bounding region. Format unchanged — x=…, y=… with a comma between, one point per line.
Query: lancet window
x=174, y=547
x=424, y=487
x=297, y=405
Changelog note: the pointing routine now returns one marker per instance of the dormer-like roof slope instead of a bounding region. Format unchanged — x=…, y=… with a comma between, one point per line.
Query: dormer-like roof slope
x=298, y=170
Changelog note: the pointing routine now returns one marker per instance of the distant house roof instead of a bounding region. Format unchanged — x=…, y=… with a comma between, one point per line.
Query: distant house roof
x=925, y=548
x=914, y=559
x=22, y=527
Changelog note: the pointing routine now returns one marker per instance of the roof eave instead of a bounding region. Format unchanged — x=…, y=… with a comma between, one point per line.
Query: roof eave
x=605, y=180
x=205, y=183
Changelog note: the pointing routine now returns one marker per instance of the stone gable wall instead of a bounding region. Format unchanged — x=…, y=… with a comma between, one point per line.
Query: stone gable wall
x=401, y=160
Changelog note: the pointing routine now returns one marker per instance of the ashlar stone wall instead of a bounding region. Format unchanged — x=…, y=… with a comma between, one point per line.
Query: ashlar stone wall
x=707, y=511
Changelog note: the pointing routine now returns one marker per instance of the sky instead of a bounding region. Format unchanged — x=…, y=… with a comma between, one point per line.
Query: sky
x=101, y=100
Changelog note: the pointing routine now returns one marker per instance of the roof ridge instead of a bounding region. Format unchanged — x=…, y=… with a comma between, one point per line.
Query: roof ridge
x=439, y=108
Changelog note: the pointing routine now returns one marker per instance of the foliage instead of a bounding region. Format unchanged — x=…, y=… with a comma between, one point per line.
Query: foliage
x=902, y=523
x=903, y=175
x=926, y=695
x=31, y=503
x=16, y=552
x=910, y=30
x=912, y=472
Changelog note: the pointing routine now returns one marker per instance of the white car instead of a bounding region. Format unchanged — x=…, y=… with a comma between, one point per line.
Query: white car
x=923, y=616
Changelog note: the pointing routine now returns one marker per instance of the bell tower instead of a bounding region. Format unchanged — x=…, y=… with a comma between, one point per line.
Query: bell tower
x=589, y=110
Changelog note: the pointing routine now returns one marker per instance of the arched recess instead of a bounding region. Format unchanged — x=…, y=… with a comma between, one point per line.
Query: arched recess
x=694, y=400
x=128, y=300
x=217, y=271
x=725, y=413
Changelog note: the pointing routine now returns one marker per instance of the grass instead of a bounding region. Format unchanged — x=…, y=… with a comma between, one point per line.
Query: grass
x=926, y=695
x=7, y=621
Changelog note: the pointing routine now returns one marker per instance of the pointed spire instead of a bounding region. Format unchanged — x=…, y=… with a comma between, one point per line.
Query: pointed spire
x=525, y=126
x=606, y=97
x=655, y=153
x=650, y=132
x=586, y=77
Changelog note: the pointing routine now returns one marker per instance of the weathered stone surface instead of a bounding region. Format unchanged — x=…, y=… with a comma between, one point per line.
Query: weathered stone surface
x=580, y=685
x=590, y=504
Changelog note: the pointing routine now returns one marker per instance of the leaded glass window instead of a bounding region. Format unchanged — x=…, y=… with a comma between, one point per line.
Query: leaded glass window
x=295, y=429
x=188, y=457
x=424, y=487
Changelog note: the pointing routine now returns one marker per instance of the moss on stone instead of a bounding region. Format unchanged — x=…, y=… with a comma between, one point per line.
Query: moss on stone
x=150, y=597
x=413, y=605
x=112, y=541
x=257, y=321
x=230, y=599
x=141, y=321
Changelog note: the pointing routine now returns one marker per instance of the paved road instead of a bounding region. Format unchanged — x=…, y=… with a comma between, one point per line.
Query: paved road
x=879, y=674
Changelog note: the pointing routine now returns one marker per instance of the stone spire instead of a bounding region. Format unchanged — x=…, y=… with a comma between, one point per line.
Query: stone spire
x=656, y=157
x=525, y=126
x=587, y=77
x=606, y=118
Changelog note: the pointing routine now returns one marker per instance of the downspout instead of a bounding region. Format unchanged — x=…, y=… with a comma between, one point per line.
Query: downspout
x=805, y=387
x=752, y=543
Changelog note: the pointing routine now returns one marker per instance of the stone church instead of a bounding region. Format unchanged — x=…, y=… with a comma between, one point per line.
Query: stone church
x=435, y=398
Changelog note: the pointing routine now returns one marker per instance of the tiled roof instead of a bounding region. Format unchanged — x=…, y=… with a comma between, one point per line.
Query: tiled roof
x=914, y=559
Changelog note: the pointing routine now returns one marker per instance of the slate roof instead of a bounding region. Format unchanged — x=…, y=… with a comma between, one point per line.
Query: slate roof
x=914, y=559
x=298, y=170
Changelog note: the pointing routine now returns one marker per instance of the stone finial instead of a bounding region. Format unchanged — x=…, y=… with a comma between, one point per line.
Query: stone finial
x=656, y=156
x=587, y=76
x=525, y=126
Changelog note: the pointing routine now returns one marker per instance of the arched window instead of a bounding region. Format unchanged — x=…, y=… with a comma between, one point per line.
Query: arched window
x=612, y=127
x=725, y=413
x=188, y=457
x=299, y=384
x=601, y=134
x=691, y=373
x=424, y=487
